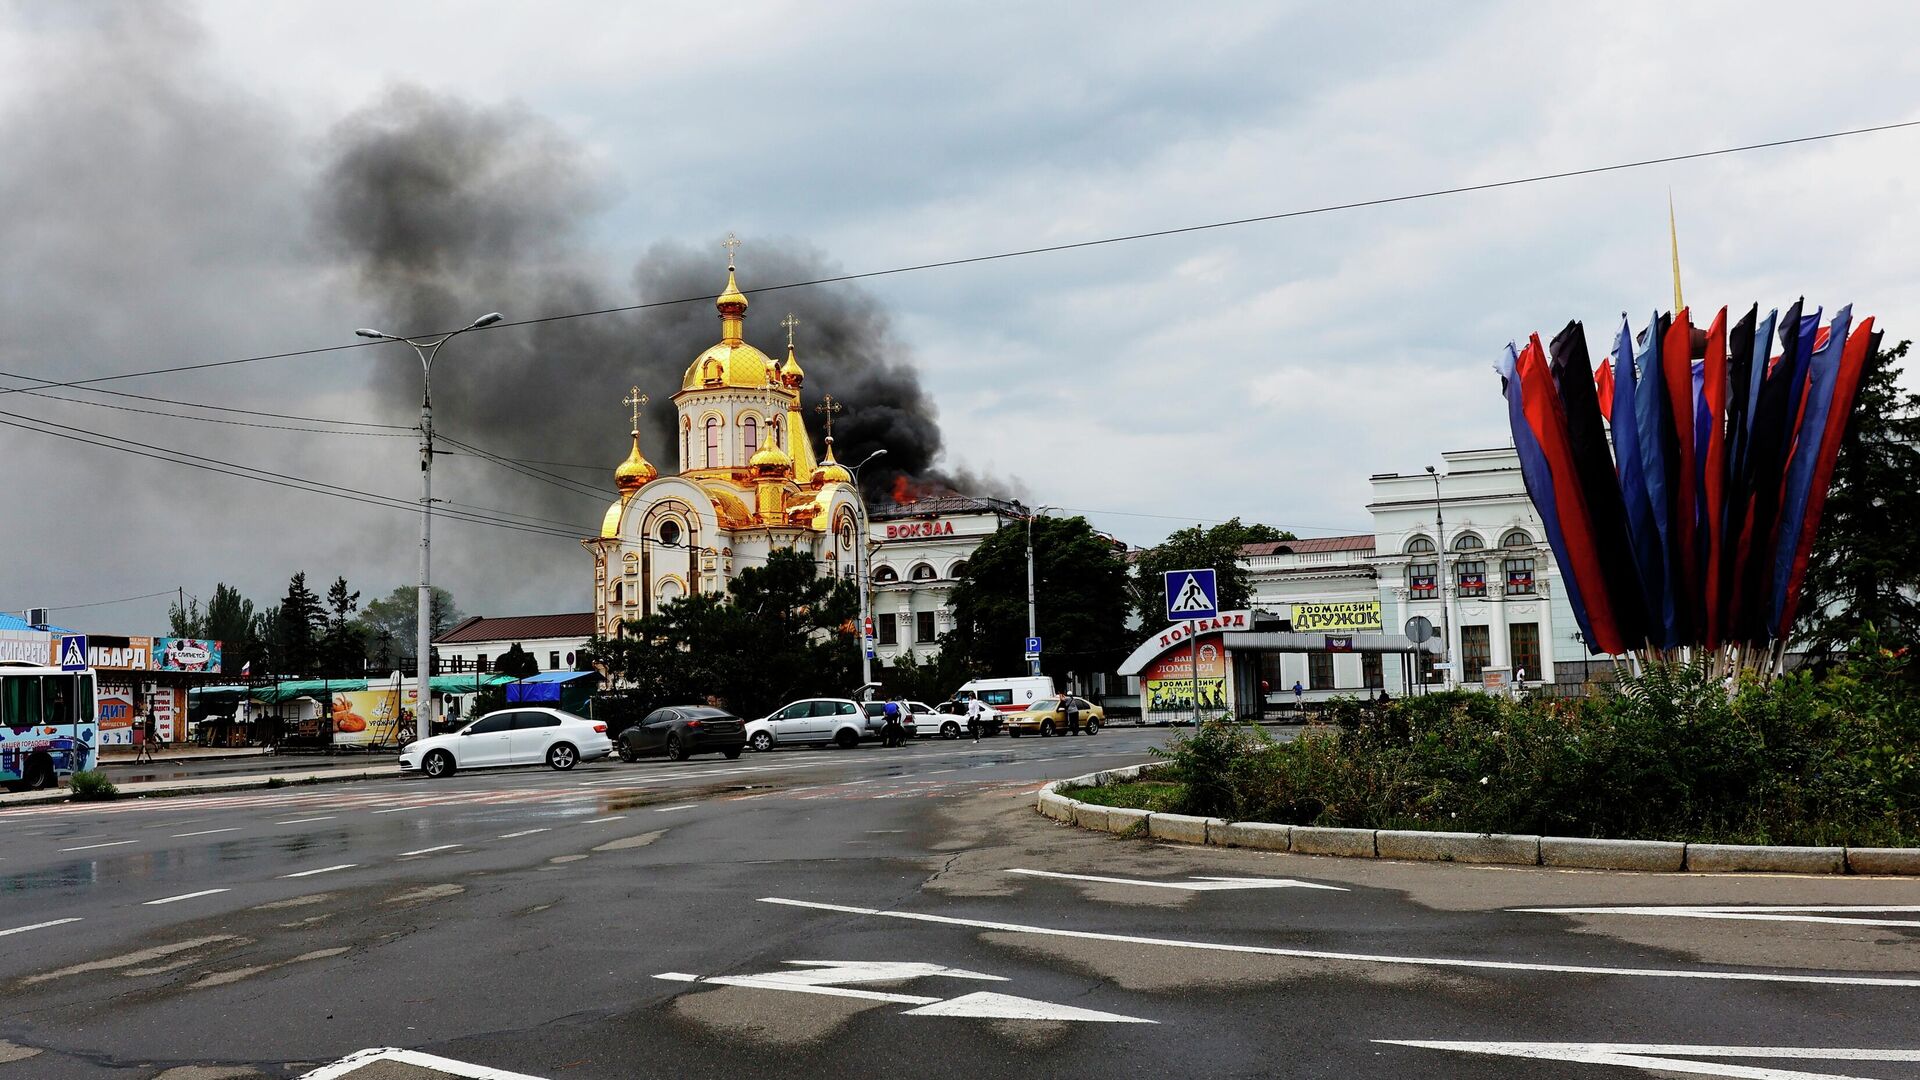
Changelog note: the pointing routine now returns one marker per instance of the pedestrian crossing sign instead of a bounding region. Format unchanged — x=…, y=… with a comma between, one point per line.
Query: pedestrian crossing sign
x=73, y=652
x=1191, y=594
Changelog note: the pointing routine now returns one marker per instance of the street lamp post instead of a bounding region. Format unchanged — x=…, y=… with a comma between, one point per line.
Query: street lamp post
x=860, y=570
x=1440, y=579
x=426, y=348
x=1033, y=628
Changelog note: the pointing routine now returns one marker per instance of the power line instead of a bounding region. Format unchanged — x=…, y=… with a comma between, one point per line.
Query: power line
x=43, y=384
x=1048, y=249
x=204, y=419
x=109, y=603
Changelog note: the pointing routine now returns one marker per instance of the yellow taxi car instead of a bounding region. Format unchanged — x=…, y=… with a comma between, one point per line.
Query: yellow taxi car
x=1057, y=716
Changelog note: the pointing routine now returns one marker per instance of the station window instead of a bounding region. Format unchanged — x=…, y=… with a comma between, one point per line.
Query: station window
x=887, y=629
x=1476, y=652
x=1523, y=640
x=923, y=631
x=553, y=661
x=1471, y=576
x=1519, y=576
x=1423, y=580
x=1370, y=671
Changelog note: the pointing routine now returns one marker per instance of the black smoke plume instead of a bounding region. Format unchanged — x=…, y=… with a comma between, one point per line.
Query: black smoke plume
x=446, y=210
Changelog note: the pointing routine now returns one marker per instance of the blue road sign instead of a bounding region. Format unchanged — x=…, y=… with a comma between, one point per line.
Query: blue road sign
x=1191, y=594
x=1033, y=646
x=73, y=652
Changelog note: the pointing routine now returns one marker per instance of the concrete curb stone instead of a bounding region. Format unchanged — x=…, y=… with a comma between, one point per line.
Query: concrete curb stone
x=1315, y=840
x=1724, y=858
x=1458, y=847
x=1089, y=816
x=1122, y=820
x=1184, y=828
x=1260, y=835
x=1881, y=860
x=1583, y=854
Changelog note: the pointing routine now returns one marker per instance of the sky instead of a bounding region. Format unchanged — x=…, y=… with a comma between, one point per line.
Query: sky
x=195, y=182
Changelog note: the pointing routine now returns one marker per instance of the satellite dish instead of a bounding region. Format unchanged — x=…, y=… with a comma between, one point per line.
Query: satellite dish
x=1419, y=629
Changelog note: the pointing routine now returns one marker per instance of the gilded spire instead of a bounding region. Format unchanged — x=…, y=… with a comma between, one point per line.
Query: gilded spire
x=732, y=302
x=1673, y=238
x=636, y=470
x=790, y=373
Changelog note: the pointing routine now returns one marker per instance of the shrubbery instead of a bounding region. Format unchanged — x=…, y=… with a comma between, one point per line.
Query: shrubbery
x=1669, y=755
x=91, y=785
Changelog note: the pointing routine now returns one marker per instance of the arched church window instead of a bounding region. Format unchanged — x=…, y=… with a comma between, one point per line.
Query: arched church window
x=670, y=533
x=713, y=442
x=752, y=428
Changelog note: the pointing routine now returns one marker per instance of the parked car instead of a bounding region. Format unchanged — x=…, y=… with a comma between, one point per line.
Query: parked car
x=527, y=735
x=957, y=712
x=930, y=722
x=909, y=716
x=813, y=722
x=1048, y=716
x=682, y=731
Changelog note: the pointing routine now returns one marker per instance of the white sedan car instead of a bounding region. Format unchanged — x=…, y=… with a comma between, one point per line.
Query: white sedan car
x=521, y=736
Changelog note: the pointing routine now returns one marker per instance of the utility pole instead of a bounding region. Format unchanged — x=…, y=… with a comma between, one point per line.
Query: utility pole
x=1440, y=580
x=1033, y=629
x=860, y=572
x=423, y=636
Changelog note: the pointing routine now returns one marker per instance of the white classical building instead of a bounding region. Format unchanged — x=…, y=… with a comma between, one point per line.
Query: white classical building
x=1461, y=546
x=918, y=550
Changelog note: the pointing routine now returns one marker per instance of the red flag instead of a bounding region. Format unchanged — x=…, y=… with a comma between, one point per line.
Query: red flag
x=1853, y=366
x=1713, y=394
x=1676, y=365
x=1549, y=425
x=1603, y=386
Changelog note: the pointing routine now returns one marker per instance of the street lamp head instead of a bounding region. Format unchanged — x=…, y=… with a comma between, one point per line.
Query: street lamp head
x=374, y=334
x=486, y=320
x=1430, y=468
x=863, y=461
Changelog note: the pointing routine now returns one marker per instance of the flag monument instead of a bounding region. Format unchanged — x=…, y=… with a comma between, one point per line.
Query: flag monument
x=1192, y=595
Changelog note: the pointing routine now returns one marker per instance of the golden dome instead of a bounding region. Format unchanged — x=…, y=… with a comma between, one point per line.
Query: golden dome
x=732, y=297
x=634, y=471
x=771, y=460
x=738, y=365
x=831, y=471
x=790, y=372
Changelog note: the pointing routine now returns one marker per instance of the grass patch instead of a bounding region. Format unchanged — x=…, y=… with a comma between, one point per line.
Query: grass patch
x=1157, y=796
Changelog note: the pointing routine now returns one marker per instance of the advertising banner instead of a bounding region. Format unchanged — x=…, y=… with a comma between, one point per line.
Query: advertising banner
x=372, y=717
x=165, y=703
x=1167, y=683
x=25, y=647
x=186, y=654
x=1339, y=616
x=116, y=714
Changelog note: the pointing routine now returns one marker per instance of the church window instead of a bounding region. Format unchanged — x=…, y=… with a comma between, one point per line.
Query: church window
x=669, y=591
x=713, y=442
x=884, y=574
x=923, y=572
x=752, y=428
x=616, y=592
x=670, y=533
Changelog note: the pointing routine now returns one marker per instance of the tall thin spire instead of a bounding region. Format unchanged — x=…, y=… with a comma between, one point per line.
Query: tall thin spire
x=1673, y=238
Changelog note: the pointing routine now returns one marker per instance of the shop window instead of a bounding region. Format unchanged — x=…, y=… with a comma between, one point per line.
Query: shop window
x=923, y=631
x=1319, y=671
x=888, y=629
x=1519, y=577
x=1423, y=580
x=1523, y=640
x=1370, y=671
x=1476, y=651
x=1471, y=576
x=553, y=661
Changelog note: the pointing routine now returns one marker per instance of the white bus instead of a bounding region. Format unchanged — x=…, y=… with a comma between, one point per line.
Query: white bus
x=49, y=725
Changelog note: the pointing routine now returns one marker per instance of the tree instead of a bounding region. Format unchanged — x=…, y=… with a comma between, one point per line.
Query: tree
x=781, y=632
x=230, y=621
x=516, y=663
x=343, y=643
x=1864, y=570
x=391, y=620
x=188, y=621
x=298, y=624
x=1081, y=600
x=933, y=681
x=1194, y=549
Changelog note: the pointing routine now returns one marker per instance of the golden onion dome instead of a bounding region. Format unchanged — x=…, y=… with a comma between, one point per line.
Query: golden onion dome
x=731, y=297
x=831, y=471
x=634, y=471
x=771, y=461
x=790, y=372
x=732, y=366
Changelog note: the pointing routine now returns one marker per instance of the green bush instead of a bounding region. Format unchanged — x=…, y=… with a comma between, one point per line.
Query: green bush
x=1670, y=754
x=91, y=785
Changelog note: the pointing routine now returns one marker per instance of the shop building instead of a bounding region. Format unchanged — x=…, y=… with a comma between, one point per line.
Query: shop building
x=476, y=645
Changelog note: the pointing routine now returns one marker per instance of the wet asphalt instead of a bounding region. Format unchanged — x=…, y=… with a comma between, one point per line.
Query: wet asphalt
x=523, y=920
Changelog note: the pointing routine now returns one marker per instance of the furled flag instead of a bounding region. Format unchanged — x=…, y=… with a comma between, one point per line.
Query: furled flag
x=1587, y=442
x=1537, y=475
x=1823, y=374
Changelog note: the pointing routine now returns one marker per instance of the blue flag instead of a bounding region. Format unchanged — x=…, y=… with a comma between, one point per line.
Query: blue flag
x=1823, y=370
x=1653, y=428
x=1642, y=536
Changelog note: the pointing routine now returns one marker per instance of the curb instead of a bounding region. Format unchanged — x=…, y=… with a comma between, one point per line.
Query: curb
x=1496, y=849
x=163, y=789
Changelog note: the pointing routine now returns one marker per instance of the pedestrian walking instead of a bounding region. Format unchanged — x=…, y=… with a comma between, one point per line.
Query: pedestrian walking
x=1299, y=694
x=976, y=717
x=149, y=738
x=890, y=733
x=1071, y=708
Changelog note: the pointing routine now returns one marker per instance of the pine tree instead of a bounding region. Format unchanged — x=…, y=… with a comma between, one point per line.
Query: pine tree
x=343, y=646
x=1865, y=567
x=299, y=622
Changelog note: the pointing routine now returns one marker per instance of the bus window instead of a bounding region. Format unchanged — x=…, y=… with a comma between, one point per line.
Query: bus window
x=20, y=701
x=83, y=697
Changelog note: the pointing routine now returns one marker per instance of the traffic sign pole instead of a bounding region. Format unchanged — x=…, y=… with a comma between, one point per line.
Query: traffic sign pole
x=1193, y=648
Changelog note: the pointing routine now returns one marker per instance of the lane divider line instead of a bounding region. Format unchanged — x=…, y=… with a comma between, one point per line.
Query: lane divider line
x=38, y=926
x=304, y=820
x=90, y=847
x=184, y=896
x=427, y=850
x=522, y=832
x=322, y=870
x=671, y=809
x=1361, y=958
x=603, y=820
x=397, y=809
x=203, y=832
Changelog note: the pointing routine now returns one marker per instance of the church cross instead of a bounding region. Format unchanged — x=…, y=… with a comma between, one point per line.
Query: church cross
x=636, y=399
x=730, y=243
x=828, y=407
x=789, y=322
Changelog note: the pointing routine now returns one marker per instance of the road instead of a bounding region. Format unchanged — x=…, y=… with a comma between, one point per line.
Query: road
x=885, y=913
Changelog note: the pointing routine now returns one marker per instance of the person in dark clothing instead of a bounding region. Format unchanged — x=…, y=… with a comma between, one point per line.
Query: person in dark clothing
x=891, y=734
x=1071, y=708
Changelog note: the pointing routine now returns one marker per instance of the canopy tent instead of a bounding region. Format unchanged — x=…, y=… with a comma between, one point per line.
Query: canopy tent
x=465, y=684
x=274, y=693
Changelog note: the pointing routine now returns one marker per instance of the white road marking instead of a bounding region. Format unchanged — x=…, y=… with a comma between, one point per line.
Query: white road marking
x=353, y=1063
x=90, y=847
x=204, y=832
x=322, y=870
x=1007, y=1007
x=522, y=832
x=304, y=820
x=1661, y=1057
x=397, y=809
x=427, y=850
x=1813, y=913
x=37, y=926
x=603, y=820
x=671, y=809
x=1360, y=958
x=1196, y=884
x=184, y=896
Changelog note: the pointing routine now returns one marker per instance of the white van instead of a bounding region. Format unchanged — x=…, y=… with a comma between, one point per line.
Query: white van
x=1006, y=695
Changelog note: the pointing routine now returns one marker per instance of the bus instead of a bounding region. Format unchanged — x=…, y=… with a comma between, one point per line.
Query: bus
x=49, y=725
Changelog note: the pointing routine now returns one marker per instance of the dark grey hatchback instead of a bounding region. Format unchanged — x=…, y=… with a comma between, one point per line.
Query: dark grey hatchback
x=681, y=731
